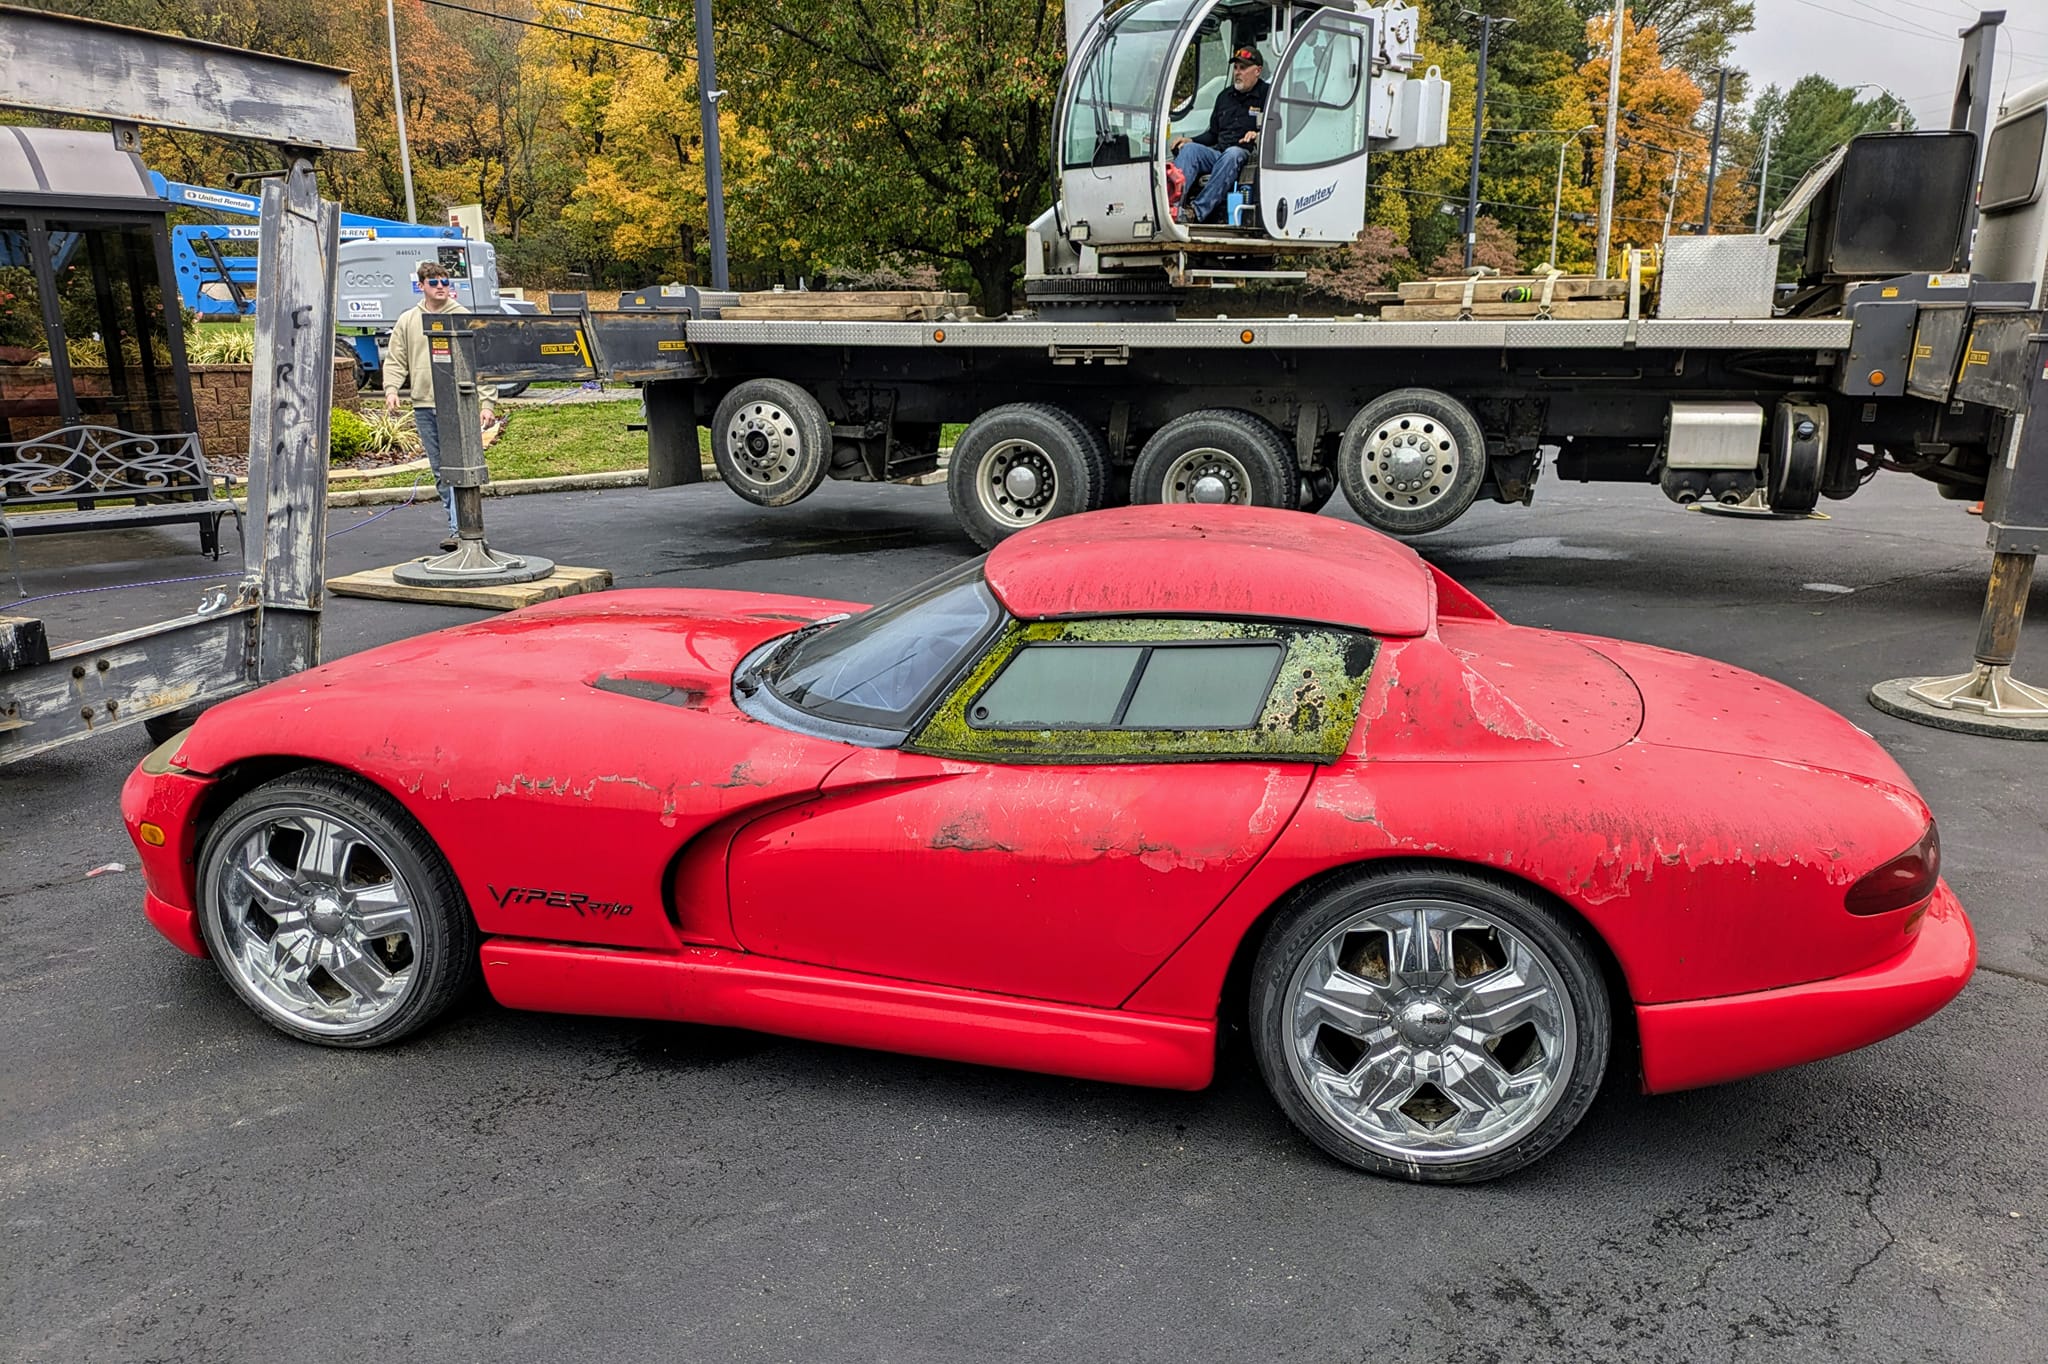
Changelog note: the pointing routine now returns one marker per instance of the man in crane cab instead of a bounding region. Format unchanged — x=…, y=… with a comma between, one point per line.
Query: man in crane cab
x=1231, y=139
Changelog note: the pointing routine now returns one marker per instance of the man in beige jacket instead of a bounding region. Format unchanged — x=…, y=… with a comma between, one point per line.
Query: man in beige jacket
x=407, y=357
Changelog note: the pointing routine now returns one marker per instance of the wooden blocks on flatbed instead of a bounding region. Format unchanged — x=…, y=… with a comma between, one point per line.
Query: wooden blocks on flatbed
x=827, y=305
x=1502, y=297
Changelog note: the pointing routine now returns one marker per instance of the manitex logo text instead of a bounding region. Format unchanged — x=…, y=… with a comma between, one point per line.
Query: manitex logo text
x=1311, y=200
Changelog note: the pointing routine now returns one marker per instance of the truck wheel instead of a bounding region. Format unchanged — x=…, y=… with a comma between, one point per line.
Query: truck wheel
x=1023, y=463
x=1412, y=461
x=511, y=390
x=1218, y=456
x=772, y=442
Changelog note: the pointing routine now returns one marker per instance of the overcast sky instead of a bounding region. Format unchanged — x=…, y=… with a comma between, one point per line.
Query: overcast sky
x=1906, y=46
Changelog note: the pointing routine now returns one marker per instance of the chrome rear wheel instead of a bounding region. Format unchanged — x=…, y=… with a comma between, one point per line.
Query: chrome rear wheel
x=1436, y=1026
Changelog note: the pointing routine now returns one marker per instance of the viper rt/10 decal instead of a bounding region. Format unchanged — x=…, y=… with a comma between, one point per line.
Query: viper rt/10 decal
x=560, y=899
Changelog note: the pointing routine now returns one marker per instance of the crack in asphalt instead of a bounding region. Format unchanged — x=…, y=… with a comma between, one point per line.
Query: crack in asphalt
x=1870, y=1194
x=2028, y=976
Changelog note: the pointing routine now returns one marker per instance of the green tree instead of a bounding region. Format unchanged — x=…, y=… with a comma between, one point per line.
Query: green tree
x=912, y=130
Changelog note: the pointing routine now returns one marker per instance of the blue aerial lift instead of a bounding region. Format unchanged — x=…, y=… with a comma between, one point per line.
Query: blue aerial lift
x=216, y=268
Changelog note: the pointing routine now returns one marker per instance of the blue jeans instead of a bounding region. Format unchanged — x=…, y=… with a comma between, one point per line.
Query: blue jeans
x=1222, y=167
x=430, y=442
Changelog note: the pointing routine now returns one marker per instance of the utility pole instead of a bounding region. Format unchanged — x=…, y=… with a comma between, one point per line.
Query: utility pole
x=1606, y=237
x=1714, y=147
x=412, y=213
x=1486, y=23
x=708, y=95
x=1763, y=179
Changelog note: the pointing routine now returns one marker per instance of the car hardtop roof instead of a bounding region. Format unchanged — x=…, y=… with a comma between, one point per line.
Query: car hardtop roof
x=1215, y=561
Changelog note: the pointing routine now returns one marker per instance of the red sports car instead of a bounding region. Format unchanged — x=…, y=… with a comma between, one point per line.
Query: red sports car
x=1075, y=807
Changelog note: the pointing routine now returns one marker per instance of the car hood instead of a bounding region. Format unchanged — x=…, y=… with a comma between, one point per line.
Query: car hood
x=619, y=651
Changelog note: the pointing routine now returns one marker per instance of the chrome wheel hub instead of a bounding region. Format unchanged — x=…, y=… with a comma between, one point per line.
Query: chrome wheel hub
x=763, y=442
x=1430, y=1031
x=1411, y=461
x=1016, y=483
x=1209, y=476
x=314, y=922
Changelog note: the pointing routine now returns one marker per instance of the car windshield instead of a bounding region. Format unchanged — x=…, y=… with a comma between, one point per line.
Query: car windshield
x=882, y=667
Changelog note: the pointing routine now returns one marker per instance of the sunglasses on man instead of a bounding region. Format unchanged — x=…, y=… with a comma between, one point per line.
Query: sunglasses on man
x=438, y=283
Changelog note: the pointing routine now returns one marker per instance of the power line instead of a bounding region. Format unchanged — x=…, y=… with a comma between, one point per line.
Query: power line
x=554, y=28
x=1845, y=14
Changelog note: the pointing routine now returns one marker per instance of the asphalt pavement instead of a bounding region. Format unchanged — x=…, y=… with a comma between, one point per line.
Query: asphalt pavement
x=179, y=1182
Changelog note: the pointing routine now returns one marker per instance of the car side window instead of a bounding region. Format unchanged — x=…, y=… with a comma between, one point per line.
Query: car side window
x=1185, y=685
x=1154, y=690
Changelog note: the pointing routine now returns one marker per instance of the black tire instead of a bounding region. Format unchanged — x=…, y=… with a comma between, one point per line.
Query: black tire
x=772, y=442
x=1241, y=457
x=1318, y=486
x=1413, y=1026
x=432, y=957
x=1412, y=461
x=1023, y=463
x=510, y=390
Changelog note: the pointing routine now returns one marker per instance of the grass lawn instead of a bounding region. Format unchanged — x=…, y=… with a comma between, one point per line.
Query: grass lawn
x=573, y=438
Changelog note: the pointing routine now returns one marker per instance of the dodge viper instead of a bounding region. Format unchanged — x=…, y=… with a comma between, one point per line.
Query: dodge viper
x=1131, y=780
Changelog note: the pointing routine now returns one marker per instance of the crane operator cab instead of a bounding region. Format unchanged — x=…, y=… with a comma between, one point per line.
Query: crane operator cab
x=1150, y=71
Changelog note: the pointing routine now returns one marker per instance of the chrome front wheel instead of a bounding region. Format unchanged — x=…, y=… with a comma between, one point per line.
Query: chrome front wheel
x=331, y=914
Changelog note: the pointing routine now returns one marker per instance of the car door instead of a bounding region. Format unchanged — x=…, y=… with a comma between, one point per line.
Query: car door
x=1312, y=150
x=1069, y=813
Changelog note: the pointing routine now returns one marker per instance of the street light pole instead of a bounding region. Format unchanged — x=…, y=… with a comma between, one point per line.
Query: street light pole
x=1671, y=204
x=1763, y=179
x=708, y=95
x=1714, y=148
x=412, y=213
x=1486, y=23
x=1557, y=198
x=1613, y=112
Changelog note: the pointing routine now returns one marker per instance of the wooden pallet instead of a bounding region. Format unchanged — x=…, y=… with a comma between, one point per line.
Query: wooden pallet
x=1512, y=289
x=1573, y=309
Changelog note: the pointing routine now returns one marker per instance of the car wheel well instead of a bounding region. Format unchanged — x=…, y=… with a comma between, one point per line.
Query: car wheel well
x=1235, y=999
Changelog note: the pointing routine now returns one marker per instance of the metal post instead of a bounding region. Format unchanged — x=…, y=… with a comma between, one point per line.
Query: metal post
x=708, y=95
x=291, y=392
x=1486, y=23
x=412, y=214
x=1714, y=149
x=1763, y=180
x=1613, y=115
x=457, y=404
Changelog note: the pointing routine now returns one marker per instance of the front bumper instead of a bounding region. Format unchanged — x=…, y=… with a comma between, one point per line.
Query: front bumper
x=1707, y=1041
x=167, y=799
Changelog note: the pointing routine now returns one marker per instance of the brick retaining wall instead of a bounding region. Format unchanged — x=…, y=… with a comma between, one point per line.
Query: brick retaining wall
x=220, y=399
